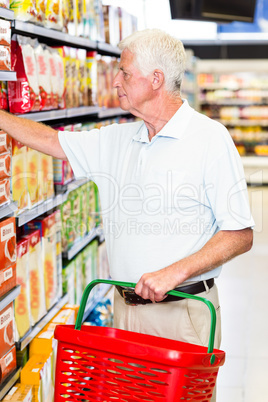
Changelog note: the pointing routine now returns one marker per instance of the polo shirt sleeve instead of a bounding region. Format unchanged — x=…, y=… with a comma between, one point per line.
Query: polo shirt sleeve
x=83, y=151
x=225, y=185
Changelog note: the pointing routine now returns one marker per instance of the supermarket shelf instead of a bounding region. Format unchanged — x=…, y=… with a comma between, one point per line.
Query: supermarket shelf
x=245, y=122
x=77, y=247
x=9, y=297
x=106, y=48
x=49, y=204
x=8, y=76
x=9, y=382
x=82, y=111
x=101, y=292
x=23, y=342
x=58, y=36
x=103, y=113
x=8, y=209
x=61, y=113
x=45, y=115
x=233, y=102
x=6, y=13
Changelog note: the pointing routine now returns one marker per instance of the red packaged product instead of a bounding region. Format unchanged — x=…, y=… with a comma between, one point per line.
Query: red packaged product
x=6, y=329
x=5, y=165
x=3, y=96
x=5, y=142
x=7, y=279
x=7, y=364
x=23, y=94
x=4, y=191
x=7, y=242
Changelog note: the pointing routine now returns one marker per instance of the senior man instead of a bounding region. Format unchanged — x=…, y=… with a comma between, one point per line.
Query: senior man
x=172, y=190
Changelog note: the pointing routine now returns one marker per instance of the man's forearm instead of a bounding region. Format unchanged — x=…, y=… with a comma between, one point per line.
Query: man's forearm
x=221, y=248
x=35, y=135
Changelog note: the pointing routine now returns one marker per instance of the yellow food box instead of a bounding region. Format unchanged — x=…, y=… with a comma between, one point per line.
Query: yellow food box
x=19, y=172
x=34, y=177
x=37, y=372
x=20, y=393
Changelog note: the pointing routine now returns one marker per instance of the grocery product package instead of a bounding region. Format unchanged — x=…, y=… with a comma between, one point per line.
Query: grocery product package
x=3, y=96
x=68, y=280
x=7, y=242
x=36, y=276
x=51, y=55
x=23, y=318
x=38, y=373
x=111, y=24
x=19, y=174
x=4, y=3
x=5, y=41
x=24, y=10
x=58, y=252
x=103, y=264
x=7, y=364
x=34, y=177
x=62, y=172
x=6, y=329
x=79, y=282
x=82, y=77
x=74, y=76
x=7, y=279
x=23, y=94
x=47, y=227
x=5, y=165
x=84, y=209
x=43, y=71
x=92, y=78
x=5, y=142
x=90, y=262
x=53, y=14
x=19, y=393
x=60, y=71
x=47, y=173
x=5, y=196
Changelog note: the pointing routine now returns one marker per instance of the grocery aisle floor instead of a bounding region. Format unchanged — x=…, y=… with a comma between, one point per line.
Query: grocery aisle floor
x=243, y=289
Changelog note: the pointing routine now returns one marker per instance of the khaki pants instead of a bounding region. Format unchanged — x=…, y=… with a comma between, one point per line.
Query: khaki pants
x=185, y=320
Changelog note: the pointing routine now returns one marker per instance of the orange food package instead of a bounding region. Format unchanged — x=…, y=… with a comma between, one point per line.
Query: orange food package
x=47, y=172
x=7, y=364
x=7, y=242
x=5, y=195
x=5, y=165
x=47, y=227
x=36, y=276
x=7, y=279
x=6, y=329
x=5, y=142
x=22, y=301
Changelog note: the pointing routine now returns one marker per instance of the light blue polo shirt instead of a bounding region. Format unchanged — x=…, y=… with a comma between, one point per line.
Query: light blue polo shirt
x=161, y=200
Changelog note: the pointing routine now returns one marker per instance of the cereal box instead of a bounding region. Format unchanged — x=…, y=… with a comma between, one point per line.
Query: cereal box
x=5, y=165
x=5, y=195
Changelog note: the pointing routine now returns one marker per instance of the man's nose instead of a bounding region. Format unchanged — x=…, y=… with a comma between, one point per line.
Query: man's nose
x=116, y=81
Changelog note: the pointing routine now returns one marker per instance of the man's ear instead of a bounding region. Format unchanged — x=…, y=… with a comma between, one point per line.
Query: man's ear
x=157, y=79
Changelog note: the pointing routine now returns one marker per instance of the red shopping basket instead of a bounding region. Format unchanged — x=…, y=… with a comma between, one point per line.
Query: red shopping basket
x=108, y=364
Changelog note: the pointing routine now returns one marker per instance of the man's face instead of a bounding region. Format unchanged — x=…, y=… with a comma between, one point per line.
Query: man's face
x=133, y=89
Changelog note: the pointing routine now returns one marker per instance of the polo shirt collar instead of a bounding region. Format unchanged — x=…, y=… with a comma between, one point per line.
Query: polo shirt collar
x=175, y=127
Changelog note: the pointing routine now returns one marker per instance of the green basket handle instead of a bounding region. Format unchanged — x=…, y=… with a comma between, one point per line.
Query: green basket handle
x=91, y=285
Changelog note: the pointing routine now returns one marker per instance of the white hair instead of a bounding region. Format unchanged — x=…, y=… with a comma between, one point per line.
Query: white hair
x=155, y=49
